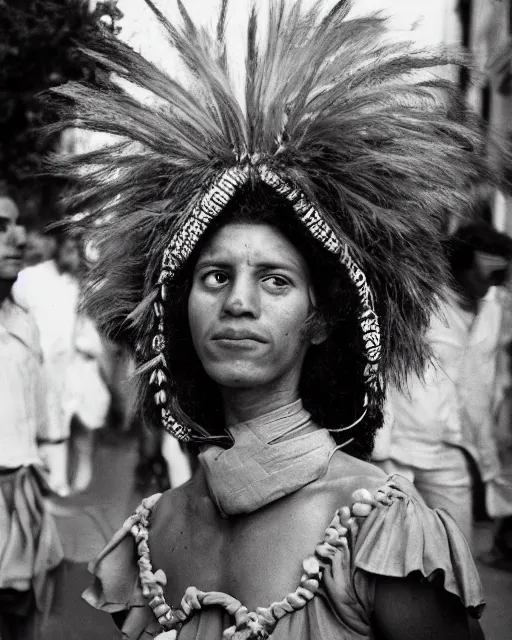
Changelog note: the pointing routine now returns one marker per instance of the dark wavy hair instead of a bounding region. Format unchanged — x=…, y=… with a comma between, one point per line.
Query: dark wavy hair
x=331, y=385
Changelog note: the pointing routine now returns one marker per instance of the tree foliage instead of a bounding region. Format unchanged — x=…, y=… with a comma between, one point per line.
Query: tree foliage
x=40, y=44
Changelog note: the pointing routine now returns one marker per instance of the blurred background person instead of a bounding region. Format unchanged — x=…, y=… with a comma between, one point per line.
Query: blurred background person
x=177, y=460
x=39, y=248
x=499, y=490
x=441, y=425
x=50, y=291
x=163, y=462
x=30, y=548
x=88, y=397
x=72, y=351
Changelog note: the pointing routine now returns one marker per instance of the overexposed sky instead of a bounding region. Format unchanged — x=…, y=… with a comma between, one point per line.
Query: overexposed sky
x=422, y=21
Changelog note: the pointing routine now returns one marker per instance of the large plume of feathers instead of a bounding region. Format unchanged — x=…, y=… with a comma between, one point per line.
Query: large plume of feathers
x=384, y=153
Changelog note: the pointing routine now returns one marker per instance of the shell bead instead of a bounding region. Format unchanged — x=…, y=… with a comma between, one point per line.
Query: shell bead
x=158, y=343
x=331, y=536
x=302, y=592
x=161, y=378
x=243, y=620
x=144, y=564
x=142, y=535
x=363, y=495
x=266, y=616
x=312, y=566
x=192, y=595
x=186, y=607
x=362, y=510
x=160, y=398
x=156, y=601
x=311, y=585
x=278, y=611
x=241, y=616
x=161, y=610
x=166, y=635
x=142, y=547
x=295, y=600
x=325, y=550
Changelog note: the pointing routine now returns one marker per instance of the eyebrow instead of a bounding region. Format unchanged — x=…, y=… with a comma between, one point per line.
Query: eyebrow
x=264, y=264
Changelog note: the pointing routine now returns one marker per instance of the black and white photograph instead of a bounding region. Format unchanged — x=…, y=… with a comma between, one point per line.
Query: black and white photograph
x=255, y=320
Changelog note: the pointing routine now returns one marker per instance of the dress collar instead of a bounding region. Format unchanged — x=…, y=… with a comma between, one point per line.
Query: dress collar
x=279, y=424
x=273, y=455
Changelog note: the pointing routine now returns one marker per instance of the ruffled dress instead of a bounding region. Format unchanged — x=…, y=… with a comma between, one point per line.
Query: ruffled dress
x=303, y=566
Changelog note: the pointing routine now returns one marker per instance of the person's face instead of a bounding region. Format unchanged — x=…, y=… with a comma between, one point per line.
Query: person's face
x=251, y=296
x=12, y=240
x=36, y=248
x=68, y=256
x=486, y=271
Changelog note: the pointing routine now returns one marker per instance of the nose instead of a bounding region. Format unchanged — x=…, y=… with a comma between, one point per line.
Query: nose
x=242, y=298
x=18, y=236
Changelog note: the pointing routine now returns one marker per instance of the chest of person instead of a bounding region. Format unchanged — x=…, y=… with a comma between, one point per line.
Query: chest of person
x=255, y=557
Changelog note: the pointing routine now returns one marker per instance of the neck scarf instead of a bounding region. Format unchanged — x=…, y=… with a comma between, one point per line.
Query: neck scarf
x=272, y=456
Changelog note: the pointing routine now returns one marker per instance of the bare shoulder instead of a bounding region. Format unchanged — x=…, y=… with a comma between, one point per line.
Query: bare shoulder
x=359, y=474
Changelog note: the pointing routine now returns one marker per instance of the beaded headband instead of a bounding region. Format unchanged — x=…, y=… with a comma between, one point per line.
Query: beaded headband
x=183, y=242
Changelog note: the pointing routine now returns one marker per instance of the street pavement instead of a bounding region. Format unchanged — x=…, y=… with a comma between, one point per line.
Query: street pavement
x=111, y=498
x=497, y=617
x=86, y=522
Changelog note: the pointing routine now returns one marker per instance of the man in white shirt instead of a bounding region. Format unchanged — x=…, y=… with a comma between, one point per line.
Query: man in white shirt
x=446, y=418
x=29, y=543
x=72, y=351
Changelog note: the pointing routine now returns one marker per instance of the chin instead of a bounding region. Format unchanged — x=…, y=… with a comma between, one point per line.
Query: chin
x=9, y=275
x=237, y=378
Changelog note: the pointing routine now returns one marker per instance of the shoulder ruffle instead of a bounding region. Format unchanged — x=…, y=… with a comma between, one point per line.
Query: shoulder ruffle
x=116, y=585
x=401, y=535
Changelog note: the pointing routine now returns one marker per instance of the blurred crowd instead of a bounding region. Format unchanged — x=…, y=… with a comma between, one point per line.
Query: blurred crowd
x=61, y=385
x=448, y=429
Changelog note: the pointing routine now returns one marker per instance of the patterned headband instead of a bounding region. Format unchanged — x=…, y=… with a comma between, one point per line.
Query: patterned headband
x=186, y=238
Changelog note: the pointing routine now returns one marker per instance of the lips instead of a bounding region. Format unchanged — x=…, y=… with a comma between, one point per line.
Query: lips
x=238, y=335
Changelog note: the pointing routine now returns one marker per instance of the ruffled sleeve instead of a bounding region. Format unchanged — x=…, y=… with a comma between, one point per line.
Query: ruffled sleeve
x=402, y=536
x=116, y=586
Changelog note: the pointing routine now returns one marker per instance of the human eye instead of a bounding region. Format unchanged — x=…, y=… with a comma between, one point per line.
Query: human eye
x=214, y=279
x=4, y=224
x=276, y=283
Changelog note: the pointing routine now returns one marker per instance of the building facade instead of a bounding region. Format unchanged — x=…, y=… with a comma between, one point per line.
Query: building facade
x=487, y=33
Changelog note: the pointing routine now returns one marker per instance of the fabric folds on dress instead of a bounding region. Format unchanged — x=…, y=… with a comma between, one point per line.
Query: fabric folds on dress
x=30, y=547
x=116, y=586
x=406, y=537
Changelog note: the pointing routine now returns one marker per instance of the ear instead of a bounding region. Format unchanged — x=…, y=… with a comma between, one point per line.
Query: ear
x=317, y=327
x=319, y=332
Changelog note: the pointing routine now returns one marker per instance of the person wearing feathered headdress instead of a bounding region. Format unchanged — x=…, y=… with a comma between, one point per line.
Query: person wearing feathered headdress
x=274, y=261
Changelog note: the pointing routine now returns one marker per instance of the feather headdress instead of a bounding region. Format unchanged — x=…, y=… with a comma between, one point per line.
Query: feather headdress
x=370, y=156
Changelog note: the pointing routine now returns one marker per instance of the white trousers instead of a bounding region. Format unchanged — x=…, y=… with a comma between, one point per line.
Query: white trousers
x=447, y=485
